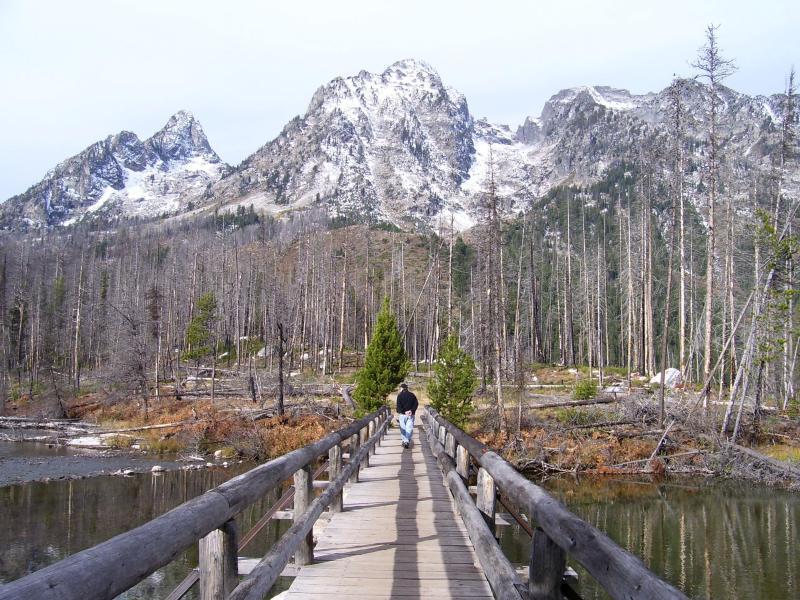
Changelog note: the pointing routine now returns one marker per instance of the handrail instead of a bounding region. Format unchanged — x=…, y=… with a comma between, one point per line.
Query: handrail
x=620, y=573
x=263, y=576
x=194, y=575
x=502, y=576
x=111, y=567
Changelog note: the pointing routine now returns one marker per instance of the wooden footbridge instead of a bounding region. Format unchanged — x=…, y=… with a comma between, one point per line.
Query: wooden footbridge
x=402, y=524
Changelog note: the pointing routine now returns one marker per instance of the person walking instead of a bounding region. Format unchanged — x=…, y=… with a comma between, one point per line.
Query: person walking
x=406, y=409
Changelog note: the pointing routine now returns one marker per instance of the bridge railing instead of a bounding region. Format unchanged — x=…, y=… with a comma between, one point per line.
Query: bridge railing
x=114, y=566
x=558, y=532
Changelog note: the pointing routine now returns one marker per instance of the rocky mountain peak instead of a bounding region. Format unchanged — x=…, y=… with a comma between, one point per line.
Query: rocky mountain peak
x=398, y=146
x=411, y=71
x=182, y=138
x=122, y=175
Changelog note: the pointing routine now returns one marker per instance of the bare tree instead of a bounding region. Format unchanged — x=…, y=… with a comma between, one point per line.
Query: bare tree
x=713, y=69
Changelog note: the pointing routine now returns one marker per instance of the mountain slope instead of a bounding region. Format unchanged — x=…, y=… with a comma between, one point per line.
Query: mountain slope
x=402, y=147
x=122, y=175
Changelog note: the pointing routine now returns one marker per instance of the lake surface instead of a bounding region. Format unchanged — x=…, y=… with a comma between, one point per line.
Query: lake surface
x=43, y=523
x=711, y=539
x=30, y=461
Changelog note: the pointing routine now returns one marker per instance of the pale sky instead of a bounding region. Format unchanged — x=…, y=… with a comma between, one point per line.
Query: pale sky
x=73, y=72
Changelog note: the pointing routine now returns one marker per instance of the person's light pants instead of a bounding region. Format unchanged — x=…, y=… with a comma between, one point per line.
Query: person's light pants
x=406, y=427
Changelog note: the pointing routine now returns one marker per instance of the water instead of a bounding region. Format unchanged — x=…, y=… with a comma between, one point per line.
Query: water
x=711, y=539
x=43, y=523
x=29, y=461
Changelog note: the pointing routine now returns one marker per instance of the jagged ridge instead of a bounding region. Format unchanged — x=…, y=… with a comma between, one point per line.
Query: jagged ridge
x=122, y=175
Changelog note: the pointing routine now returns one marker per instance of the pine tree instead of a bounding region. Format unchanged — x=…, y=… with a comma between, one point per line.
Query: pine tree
x=198, y=334
x=453, y=382
x=385, y=364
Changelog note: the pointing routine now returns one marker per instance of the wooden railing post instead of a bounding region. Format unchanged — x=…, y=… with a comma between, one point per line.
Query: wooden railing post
x=442, y=434
x=303, y=496
x=334, y=470
x=450, y=445
x=370, y=433
x=364, y=436
x=354, y=445
x=486, y=499
x=462, y=462
x=219, y=562
x=546, y=569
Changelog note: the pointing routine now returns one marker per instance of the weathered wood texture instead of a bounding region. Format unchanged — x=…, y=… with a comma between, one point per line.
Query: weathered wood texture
x=218, y=562
x=619, y=572
x=334, y=470
x=268, y=569
x=110, y=568
x=486, y=498
x=502, y=577
x=546, y=569
x=398, y=536
x=462, y=462
x=303, y=496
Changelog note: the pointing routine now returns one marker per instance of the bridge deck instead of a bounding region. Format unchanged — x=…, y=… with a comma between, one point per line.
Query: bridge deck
x=399, y=536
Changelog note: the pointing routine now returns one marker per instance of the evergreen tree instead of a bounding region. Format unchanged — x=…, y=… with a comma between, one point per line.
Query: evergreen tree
x=385, y=364
x=198, y=334
x=453, y=382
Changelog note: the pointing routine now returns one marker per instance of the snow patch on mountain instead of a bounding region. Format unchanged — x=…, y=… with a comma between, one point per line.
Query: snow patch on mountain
x=123, y=176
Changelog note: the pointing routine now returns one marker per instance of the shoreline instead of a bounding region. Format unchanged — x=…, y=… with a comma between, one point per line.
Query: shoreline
x=31, y=461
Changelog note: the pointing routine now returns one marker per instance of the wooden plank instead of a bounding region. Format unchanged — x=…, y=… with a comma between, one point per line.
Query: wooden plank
x=398, y=536
x=264, y=575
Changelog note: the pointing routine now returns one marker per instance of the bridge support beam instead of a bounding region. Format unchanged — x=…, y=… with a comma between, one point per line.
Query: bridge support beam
x=303, y=496
x=546, y=569
x=218, y=562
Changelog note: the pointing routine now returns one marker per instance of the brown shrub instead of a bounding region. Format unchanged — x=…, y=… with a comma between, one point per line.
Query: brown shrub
x=281, y=435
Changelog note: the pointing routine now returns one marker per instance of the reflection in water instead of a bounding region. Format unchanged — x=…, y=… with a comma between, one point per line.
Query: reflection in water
x=710, y=539
x=46, y=522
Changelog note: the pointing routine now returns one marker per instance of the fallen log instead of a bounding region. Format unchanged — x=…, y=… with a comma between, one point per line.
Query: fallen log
x=602, y=424
x=345, y=391
x=147, y=427
x=62, y=425
x=772, y=462
x=599, y=400
x=671, y=456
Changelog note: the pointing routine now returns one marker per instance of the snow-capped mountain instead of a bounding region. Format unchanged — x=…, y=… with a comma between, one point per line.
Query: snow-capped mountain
x=396, y=146
x=402, y=147
x=122, y=175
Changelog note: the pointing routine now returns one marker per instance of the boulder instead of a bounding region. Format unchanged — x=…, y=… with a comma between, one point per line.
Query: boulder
x=672, y=379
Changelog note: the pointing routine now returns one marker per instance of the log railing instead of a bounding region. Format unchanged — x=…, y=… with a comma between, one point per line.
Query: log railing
x=558, y=533
x=116, y=565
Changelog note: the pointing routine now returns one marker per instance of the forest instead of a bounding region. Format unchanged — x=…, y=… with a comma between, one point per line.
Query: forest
x=637, y=272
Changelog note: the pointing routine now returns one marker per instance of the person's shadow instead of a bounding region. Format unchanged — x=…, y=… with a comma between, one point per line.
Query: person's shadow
x=406, y=573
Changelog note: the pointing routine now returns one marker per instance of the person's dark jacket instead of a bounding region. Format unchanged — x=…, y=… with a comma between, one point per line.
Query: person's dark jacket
x=406, y=401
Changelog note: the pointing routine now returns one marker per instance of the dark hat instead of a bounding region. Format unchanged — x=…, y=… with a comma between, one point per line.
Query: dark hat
x=404, y=385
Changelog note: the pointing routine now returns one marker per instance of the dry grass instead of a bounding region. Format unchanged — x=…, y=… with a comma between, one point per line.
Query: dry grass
x=784, y=452
x=280, y=435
